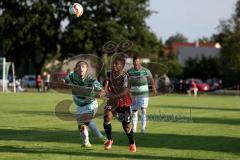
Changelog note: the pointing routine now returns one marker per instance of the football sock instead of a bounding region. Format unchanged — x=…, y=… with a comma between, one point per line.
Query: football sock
x=108, y=130
x=134, y=120
x=84, y=135
x=94, y=128
x=130, y=137
x=144, y=119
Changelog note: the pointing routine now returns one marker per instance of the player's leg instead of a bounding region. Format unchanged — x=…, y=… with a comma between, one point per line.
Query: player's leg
x=84, y=116
x=144, y=104
x=189, y=92
x=108, y=127
x=134, y=120
x=144, y=119
x=82, y=119
x=134, y=109
x=128, y=129
x=84, y=134
x=195, y=91
x=92, y=125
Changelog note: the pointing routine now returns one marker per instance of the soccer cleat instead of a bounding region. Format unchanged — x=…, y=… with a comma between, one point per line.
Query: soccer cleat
x=108, y=144
x=103, y=139
x=86, y=145
x=132, y=148
x=142, y=130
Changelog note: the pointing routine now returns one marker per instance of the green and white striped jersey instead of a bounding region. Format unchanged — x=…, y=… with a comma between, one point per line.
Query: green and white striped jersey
x=139, y=81
x=83, y=90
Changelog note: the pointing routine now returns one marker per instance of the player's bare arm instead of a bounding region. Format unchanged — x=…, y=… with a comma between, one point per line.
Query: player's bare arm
x=154, y=89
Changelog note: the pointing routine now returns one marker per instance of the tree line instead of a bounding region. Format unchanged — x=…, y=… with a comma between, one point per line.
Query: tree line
x=33, y=32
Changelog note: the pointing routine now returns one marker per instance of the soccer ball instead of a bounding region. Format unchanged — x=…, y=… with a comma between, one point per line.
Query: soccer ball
x=76, y=9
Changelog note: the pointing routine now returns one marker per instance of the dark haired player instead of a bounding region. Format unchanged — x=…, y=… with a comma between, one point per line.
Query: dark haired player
x=84, y=89
x=119, y=103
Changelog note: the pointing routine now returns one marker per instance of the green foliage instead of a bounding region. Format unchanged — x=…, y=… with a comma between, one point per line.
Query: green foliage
x=205, y=40
x=178, y=37
x=230, y=54
x=31, y=32
x=160, y=50
x=203, y=68
x=174, y=68
x=105, y=21
x=31, y=131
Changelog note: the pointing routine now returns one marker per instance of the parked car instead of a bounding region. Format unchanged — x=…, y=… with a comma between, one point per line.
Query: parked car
x=214, y=84
x=29, y=81
x=202, y=87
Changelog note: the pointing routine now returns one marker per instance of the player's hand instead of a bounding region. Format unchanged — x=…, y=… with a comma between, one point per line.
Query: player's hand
x=66, y=82
x=102, y=93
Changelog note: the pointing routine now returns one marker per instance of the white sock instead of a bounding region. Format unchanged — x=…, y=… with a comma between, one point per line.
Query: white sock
x=94, y=128
x=84, y=135
x=144, y=119
x=134, y=120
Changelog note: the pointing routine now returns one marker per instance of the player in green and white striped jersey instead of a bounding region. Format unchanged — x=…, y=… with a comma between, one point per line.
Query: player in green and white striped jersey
x=139, y=78
x=84, y=89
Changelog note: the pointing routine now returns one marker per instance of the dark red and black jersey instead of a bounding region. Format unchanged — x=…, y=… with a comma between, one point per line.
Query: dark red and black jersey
x=116, y=85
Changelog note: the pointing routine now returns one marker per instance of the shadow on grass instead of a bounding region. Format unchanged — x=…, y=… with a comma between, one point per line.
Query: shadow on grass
x=12, y=149
x=173, y=141
x=216, y=120
x=201, y=119
x=159, y=117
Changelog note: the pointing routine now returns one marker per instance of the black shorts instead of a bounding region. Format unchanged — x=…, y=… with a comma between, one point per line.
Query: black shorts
x=123, y=114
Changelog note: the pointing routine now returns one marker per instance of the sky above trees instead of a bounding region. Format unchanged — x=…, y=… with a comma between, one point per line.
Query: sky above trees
x=194, y=19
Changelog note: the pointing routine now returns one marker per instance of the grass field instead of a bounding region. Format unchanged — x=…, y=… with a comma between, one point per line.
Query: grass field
x=180, y=127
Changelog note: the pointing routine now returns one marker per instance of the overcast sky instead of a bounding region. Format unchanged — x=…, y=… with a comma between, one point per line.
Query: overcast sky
x=193, y=18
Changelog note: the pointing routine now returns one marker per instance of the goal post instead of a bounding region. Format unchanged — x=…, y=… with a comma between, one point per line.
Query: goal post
x=4, y=75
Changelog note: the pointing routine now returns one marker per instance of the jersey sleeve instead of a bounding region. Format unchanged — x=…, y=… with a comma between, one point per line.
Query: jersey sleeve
x=67, y=78
x=97, y=85
x=149, y=74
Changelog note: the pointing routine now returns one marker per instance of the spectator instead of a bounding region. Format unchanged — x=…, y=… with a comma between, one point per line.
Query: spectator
x=181, y=86
x=46, y=79
x=192, y=88
x=39, y=83
x=18, y=86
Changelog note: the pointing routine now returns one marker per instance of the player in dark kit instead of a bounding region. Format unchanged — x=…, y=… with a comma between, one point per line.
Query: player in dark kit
x=119, y=103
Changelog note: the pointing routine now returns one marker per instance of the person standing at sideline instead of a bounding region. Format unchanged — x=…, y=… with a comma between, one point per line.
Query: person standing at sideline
x=193, y=88
x=46, y=79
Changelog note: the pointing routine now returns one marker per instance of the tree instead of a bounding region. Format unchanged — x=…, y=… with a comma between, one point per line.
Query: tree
x=104, y=21
x=230, y=54
x=202, y=68
x=29, y=33
x=178, y=37
x=175, y=68
x=205, y=40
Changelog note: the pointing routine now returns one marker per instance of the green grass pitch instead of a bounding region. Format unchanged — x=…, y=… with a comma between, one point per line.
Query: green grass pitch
x=179, y=127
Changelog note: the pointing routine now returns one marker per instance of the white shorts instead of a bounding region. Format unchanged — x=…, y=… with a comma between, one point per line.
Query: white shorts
x=139, y=102
x=86, y=113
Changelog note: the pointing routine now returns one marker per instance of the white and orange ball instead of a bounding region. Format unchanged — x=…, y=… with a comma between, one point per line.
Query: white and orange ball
x=76, y=9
